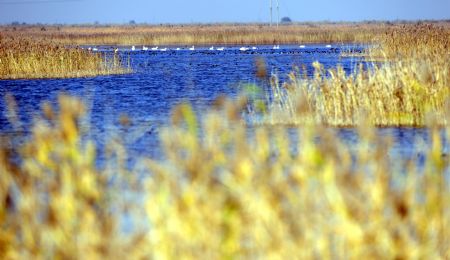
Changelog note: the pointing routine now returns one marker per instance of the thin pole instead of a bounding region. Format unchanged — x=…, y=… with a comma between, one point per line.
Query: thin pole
x=278, y=12
x=271, y=12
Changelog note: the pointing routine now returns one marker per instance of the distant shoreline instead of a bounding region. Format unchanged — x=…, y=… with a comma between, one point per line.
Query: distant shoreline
x=293, y=23
x=209, y=34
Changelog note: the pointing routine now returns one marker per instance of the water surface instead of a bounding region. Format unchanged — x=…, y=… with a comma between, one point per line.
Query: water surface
x=163, y=79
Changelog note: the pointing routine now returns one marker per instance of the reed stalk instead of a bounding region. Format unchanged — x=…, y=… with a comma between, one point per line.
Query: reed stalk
x=409, y=83
x=22, y=58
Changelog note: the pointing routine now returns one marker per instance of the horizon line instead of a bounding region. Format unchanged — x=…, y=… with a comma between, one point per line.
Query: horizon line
x=131, y=23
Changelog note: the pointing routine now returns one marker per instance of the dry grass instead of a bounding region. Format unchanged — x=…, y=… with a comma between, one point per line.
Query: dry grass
x=206, y=34
x=414, y=42
x=223, y=195
x=37, y=52
x=412, y=82
x=224, y=191
x=31, y=58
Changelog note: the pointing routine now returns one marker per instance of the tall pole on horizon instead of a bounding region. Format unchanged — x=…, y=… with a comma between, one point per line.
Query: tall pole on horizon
x=278, y=12
x=271, y=12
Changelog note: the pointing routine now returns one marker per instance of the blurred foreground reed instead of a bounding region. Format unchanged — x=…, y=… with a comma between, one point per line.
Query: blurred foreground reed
x=221, y=192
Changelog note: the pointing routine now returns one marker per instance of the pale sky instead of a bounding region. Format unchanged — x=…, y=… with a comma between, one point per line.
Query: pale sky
x=213, y=11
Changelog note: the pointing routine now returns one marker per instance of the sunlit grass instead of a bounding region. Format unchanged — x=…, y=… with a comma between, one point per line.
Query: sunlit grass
x=206, y=34
x=223, y=189
x=411, y=82
x=23, y=58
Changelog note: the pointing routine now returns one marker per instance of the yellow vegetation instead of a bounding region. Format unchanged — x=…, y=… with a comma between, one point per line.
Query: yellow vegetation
x=205, y=34
x=411, y=82
x=224, y=191
x=225, y=194
x=30, y=58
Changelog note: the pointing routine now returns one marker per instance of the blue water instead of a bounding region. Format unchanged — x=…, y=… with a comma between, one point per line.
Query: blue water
x=161, y=80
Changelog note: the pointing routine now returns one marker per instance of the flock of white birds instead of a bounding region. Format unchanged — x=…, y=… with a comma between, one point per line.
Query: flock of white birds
x=212, y=48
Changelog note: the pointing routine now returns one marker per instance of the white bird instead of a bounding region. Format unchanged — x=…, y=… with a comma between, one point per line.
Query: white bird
x=116, y=50
x=144, y=48
x=212, y=48
x=164, y=49
x=254, y=48
x=192, y=48
x=155, y=48
x=243, y=49
x=133, y=48
x=221, y=48
x=302, y=46
x=276, y=47
x=328, y=46
x=94, y=49
x=89, y=49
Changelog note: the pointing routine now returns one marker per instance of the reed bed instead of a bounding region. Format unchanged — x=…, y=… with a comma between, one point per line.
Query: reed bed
x=414, y=42
x=409, y=80
x=219, y=193
x=223, y=34
x=226, y=191
x=25, y=58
